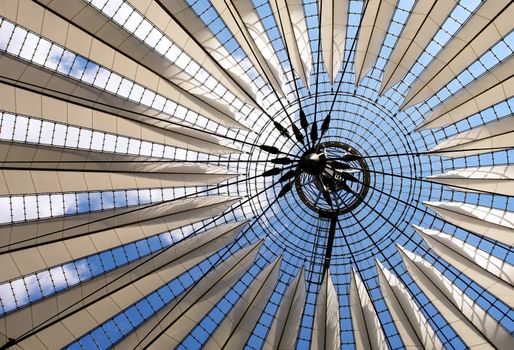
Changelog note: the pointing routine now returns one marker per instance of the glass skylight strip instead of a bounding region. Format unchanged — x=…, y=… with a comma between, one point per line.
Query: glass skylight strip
x=208, y=325
x=443, y=329
x=206, y=12
x=487, y=301
x=458, y=17
x=30, y=130
x=498, y=53
x=135, y=23
x=30, y=207
x=118, y=327
x=21, y=43
x=32, y=288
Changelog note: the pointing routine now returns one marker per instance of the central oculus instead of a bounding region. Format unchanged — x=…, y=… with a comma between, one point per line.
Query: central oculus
x=313, y=163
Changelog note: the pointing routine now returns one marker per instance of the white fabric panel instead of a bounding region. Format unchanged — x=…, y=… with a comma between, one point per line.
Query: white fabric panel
x=291, y=22
x=425, y=20
x=367, y=328
x=228, y=76
x=491, y=22
x=467, y=307
x=334, y=16
x=495, y=179
x=25, y=234
x=197, y=29
x=33, y=76
x=124, y=64
x=30, y=156
x=360, y=333
x=496, y=267
x=372, y=33
x=25, y=102
x=20, y=182
x=491, y=283
x=243, y=21
x=155, y=220
x=489, y=89
x=108, y=301
x=469, y=334
x=284, y=330
x=238, y=324
x=491, y=135
x=20, y=231
x=109, y=172
x=94, y=22
x=414, y=328
x=496, y=224
x=187, y=311
x=326, y=330
x=268, y=61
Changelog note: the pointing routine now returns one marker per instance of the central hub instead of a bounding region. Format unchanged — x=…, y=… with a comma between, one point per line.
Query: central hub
x=322, y=171
x=313, y=163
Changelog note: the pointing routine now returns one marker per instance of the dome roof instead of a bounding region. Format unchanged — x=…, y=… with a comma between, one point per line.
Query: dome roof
x=256, y=174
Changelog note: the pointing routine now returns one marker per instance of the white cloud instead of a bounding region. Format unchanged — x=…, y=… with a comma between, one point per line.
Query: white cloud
x=16, y=293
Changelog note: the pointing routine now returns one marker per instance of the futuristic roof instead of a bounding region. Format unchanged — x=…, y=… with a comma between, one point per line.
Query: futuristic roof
x=256, y=174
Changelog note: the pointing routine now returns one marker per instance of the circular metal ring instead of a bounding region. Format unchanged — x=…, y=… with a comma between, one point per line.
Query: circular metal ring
x=309, y=187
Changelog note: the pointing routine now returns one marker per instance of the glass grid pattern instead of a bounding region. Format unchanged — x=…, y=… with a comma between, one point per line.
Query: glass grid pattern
x=23, y=291
x=19, y=42
x=360, y=117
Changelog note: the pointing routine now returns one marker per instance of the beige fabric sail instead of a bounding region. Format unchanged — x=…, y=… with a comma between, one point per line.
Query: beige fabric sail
x=366, y=325
x=283, y=332
x=485, y=325
x=325, y=332
x=334, y=15
x=134, y=135
x=413, y=326
x=290, y=18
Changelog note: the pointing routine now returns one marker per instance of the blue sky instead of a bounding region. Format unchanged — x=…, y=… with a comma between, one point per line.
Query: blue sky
x=360, y=116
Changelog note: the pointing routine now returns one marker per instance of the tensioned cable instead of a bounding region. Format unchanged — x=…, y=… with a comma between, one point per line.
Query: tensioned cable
x=76, y=100
x=302, y=115
x=213, y=266
x=265, y=112
x=170, y=14
x=432, y=153
x=333, y=221
x=388, y=341
x=116, y=215
x=439, y=183
x=346, y=64
x=279, y=127
x=469, y=42
x=279, y=99
x=425, y=212
x=394, y=267
x=297, y=90
x=161, y=161
x=44, y=324
x=379, y=251
x=320, y=6
x=150, y=68
x=402, y=233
